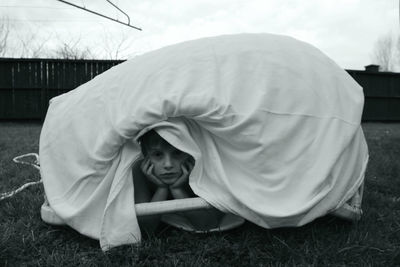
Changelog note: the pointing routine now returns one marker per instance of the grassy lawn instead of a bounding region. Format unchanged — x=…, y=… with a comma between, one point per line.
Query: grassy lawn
x=26, y=241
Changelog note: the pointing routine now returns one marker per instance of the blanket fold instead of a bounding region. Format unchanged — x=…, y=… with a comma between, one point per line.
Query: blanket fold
x=273, y=124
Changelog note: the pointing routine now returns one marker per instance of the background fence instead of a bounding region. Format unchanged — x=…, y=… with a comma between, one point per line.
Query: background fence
x=382, y=94
x=27, y=85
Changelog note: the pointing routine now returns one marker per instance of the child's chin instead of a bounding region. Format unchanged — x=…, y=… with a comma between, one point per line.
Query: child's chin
x=170, y=181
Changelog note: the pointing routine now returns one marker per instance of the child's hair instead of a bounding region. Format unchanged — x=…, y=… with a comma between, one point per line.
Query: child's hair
x=151, y=138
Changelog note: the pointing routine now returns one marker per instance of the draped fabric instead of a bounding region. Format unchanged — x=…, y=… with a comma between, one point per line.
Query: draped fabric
x=273, y=124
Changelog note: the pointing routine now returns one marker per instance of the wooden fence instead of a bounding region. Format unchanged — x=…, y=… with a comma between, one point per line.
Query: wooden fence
x=27, y=85
x=382, y=94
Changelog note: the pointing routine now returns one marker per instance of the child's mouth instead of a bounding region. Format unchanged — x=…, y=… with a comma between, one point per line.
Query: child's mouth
x=168, y=175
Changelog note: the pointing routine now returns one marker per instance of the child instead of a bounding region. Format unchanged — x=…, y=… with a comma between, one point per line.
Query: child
x=164, y=174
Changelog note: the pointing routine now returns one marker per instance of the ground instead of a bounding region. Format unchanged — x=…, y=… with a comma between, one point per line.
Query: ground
x=375, y=240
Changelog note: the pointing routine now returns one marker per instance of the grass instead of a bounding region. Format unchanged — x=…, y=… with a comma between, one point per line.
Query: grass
x=26, y=241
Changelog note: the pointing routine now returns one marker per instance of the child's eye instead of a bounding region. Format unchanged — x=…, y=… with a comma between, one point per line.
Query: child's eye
x=178, y=153
x=157, y=154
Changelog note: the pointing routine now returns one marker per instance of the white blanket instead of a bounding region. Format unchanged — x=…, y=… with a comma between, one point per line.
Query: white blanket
x=274, y=126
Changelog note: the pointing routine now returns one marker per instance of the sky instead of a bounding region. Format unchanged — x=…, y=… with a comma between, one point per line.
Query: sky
x=345, y=30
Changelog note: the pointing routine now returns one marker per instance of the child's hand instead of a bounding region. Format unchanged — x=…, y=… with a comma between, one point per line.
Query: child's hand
x=147, y=169
x=187, y=168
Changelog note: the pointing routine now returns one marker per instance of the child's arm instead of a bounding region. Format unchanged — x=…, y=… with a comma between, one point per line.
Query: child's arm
x=181, y=189
x=144, y=193
x=161, y=192
x=143, y=189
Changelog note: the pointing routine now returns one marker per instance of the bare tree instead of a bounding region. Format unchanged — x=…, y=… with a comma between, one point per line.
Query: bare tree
x=25, y=42
x=397, y=54
x=73, y=50
x=4, y=32
x=32, y=45
x=386, y=52
x=115, y=46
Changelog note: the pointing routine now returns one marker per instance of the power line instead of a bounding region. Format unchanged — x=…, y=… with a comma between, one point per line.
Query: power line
x=41, y=7
x=49, y=20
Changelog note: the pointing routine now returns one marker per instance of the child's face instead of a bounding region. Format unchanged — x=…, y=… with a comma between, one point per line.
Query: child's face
x=167, y=161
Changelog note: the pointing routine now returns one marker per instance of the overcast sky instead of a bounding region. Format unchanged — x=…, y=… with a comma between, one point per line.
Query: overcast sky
x=345, y=30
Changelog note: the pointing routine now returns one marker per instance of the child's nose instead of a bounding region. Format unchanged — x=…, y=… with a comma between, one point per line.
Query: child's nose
x=168, y=163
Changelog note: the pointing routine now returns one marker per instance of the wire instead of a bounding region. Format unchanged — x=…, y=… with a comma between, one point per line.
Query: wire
x=48, y=20
x=43, y=7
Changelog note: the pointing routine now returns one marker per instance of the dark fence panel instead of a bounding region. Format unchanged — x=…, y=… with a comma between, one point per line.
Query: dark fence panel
x=382, y=94
x=27, y=85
